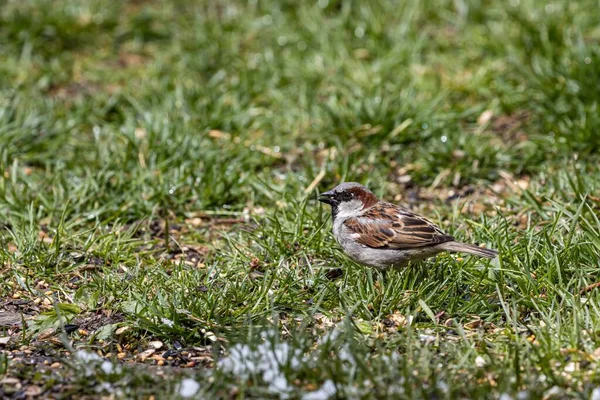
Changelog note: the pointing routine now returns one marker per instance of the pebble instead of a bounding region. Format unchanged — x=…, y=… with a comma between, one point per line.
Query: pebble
x=145, y=354
x=156, y=344
x=33, y=391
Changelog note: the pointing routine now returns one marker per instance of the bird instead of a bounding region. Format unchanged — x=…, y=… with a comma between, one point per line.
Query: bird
x=385, y=236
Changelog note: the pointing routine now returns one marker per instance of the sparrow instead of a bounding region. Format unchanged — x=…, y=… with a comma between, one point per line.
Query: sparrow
x=383, y=235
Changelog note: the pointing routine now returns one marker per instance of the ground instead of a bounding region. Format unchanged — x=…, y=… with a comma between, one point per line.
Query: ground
x=159, y=167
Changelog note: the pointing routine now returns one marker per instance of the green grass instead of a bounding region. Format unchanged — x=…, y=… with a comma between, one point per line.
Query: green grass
x=155, y=158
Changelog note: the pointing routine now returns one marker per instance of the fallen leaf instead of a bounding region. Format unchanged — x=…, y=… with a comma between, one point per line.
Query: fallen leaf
x=485, y=117
x=476, y=323
x=121, y=330
x=33, y=391
x=46, y=334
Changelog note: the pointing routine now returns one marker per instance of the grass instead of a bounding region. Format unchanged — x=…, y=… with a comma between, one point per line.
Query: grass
x=159, y=165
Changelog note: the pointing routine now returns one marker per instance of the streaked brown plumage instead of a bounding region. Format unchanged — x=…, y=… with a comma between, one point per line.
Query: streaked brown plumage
x=383, y=235
x=396, y=228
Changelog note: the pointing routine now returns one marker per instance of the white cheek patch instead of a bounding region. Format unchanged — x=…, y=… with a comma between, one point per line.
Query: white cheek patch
x=349, y=209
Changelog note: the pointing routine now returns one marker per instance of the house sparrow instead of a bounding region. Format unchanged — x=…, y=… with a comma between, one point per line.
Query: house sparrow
x=384, y=235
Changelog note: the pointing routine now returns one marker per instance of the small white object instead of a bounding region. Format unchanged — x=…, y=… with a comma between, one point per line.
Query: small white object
x=107, y=367
x=156, y=344
x=87, y=357
x=480, y=361
x=189, y=387
x=326, y=391
x=426, y=338
x=570, y=367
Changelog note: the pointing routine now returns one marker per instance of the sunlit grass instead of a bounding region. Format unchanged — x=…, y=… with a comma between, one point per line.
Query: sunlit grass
x=154, y=164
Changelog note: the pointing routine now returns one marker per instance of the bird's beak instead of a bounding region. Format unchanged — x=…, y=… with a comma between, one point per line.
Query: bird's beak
x=327, y=198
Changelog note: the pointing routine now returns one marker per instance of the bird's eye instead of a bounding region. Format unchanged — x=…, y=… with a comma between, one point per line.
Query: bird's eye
x=345, y=196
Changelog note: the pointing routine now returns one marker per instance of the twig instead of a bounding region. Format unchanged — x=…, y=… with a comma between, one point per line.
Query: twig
x=315, y=182
x=589, y=288
x=227, y=221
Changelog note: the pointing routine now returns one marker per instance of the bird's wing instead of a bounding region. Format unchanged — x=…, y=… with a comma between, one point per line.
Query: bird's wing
x=387, y=226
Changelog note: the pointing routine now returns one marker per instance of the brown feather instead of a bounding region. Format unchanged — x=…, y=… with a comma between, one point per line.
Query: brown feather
x=387, y=226
x=366, y=196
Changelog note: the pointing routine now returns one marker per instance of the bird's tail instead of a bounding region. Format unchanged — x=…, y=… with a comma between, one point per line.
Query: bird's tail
x=468, y=248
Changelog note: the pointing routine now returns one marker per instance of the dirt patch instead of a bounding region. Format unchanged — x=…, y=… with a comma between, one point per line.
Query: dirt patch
x=130, y=60
x=178, y=244
x=72, y=90
x=10, y=319
x=56, y=359
x=510, y=127
x=193, y=256
x=93, y=321
x=40, y=375
x=14, y=311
